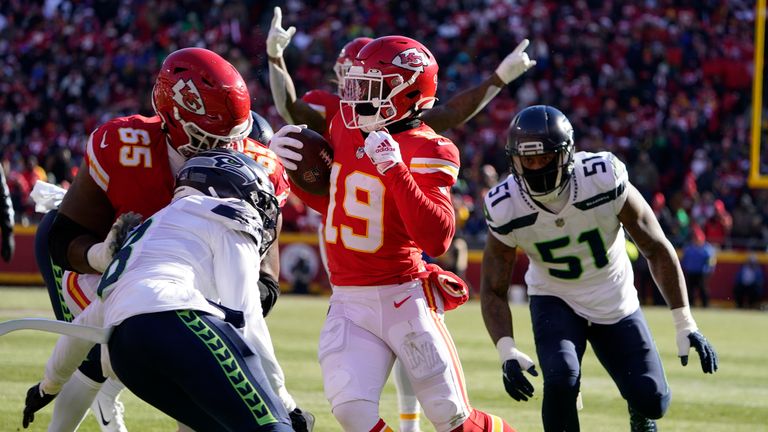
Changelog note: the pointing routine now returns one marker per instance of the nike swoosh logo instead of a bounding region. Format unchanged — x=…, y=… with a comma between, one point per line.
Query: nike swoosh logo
x=400, y=303
x=103, y=138
x=104, y=421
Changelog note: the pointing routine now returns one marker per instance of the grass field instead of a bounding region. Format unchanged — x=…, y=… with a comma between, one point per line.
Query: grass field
x=735, y=399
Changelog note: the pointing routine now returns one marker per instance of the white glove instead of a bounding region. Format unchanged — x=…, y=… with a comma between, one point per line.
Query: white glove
x=515, y=64
x=278, y=37
x=685, y=325
x=100, y=255
x=286, y=399
x=383, y=150
x=46, y=196
x=285, y=147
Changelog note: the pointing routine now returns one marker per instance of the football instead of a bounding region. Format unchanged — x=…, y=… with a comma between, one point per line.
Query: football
x=313, y=172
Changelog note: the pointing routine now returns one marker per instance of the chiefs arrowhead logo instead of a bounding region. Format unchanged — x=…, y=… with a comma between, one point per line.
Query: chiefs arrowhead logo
x=411, y=59
x=186, y=94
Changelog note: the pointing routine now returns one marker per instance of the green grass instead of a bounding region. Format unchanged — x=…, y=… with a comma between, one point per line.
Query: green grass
x=735, y=399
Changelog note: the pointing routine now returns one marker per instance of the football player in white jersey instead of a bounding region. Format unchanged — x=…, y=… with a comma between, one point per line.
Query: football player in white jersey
x=167, y=295
x=568, y=211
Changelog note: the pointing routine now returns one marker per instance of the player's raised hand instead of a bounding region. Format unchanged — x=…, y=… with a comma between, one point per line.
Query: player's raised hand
x=515, y=64
x=278, y=37
x=35, y=401
x=514, y=362
x=286, y=147
x=383, y=150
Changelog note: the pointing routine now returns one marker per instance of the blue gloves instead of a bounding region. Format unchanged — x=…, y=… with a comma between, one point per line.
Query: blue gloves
x=517, y=385
x=706, y=351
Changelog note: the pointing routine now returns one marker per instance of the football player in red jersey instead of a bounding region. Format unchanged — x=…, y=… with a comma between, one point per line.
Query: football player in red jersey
x=317, y=108
x=389, y=200
x=201, y=102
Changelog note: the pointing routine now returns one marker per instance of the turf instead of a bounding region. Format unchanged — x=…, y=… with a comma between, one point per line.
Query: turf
x=735, y=399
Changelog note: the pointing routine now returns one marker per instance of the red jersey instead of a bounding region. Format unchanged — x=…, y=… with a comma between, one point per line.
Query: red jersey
x=376, y=226
x=128, y=158
x=325, y=103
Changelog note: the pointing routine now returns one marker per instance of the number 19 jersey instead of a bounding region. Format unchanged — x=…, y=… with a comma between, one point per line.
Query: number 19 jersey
x=578, y=254
x=366, y=238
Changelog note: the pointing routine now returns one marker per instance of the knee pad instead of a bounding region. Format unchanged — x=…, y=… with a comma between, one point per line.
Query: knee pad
x=357, y=415
x=652, y=406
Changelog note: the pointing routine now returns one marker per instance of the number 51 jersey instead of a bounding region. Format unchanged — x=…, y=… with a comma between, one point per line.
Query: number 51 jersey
x=578, y=254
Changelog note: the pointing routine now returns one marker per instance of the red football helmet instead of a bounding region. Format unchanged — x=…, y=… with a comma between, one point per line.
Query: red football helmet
x=203, y=102
x=346, y=57
x=392, y=78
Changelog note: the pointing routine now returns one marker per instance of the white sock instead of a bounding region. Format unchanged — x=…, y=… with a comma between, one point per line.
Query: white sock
x=406, y=400
x=72, y=403
x=112, y=388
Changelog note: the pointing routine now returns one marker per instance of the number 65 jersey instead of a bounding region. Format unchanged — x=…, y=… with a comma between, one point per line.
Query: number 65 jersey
x=578, y=254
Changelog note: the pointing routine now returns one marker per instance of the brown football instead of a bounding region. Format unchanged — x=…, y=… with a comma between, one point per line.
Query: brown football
x=314, y=170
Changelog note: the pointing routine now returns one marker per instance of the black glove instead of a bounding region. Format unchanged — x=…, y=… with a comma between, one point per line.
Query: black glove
x=35, y=401
x=516, y=384
x=706, y=351
x=9, y=245
x=269, y=290
x=302, y=421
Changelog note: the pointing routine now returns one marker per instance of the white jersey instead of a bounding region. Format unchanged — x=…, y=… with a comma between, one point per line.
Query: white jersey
x=195, y=249
x=578, y=254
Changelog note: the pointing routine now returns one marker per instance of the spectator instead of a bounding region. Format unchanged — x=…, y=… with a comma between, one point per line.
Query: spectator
x=645, y=175
x=639, y=79
x=747, y=224
x=748, y=289
x=718, y=227
x=698, y=262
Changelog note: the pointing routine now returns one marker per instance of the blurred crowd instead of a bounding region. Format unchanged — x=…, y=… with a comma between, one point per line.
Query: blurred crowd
x=666, y=85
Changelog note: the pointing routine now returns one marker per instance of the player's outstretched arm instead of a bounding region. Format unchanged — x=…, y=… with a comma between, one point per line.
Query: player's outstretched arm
x=498, y=263
x=269, y=275
x=465, y=105
x=496, y=272
x=85, y=218
x=292, y=109
x=641, y=224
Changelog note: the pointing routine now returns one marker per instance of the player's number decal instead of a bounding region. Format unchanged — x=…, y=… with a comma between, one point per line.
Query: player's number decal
x=364, y=201
x=117, y=266
x=590, y=169
x=499, y=193
x=137, y=151
x=592, y=238
x=260, y=155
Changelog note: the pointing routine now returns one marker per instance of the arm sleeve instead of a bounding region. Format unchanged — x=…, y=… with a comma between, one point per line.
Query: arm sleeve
x=70, y=351
x=426, y=210
x=6, y=207
x=236, y=273
x=318, y=203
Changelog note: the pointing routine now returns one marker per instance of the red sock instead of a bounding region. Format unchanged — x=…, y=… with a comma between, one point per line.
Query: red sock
x=479, y=421
x=381, y=426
